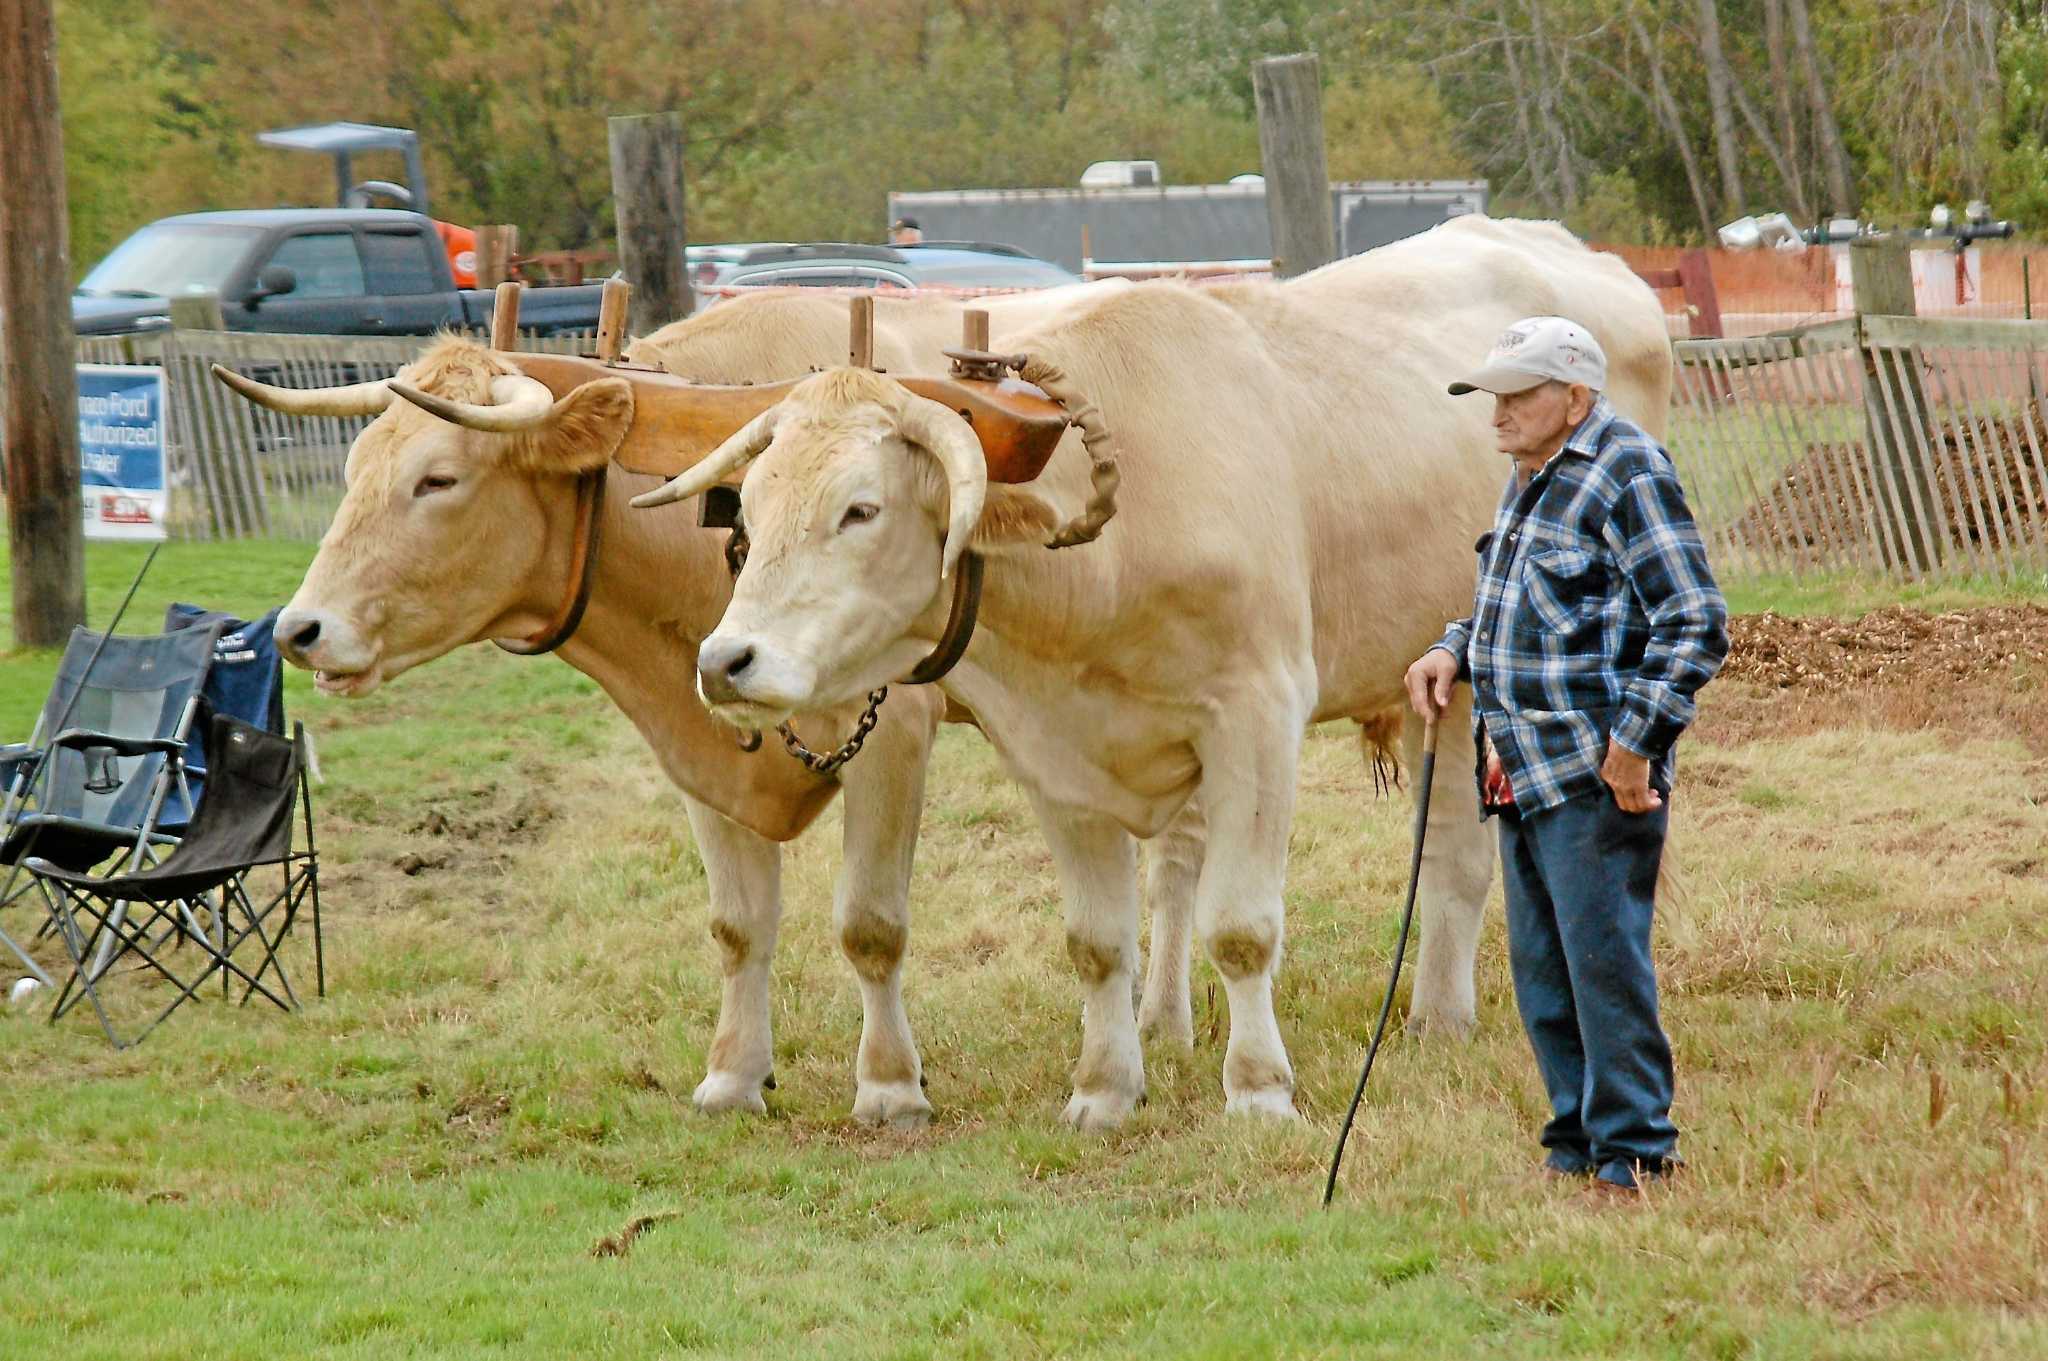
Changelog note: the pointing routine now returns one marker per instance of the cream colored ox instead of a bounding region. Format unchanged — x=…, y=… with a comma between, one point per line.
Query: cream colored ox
x=1297, y=511
x=449, y=535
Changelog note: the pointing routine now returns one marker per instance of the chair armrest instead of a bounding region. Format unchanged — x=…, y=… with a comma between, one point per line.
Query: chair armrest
x=14, y=757
x=125, y=746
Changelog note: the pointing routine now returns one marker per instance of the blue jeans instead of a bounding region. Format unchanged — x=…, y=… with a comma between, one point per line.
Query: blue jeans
x=1581, y=880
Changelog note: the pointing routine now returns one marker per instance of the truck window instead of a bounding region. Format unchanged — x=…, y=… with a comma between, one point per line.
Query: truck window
x=326, y=263
x=171, y=258
x=398, y=263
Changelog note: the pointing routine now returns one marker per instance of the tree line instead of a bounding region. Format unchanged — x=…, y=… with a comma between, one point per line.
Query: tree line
x=1632, y=120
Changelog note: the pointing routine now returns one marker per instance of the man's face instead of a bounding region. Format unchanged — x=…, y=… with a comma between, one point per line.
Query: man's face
x=1531, y=425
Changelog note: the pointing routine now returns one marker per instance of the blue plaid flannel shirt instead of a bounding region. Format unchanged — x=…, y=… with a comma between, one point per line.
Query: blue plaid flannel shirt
x=1595, y=614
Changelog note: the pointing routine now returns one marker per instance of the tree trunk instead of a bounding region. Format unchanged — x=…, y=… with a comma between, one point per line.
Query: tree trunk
x=1518, y=91
x=1827, y=136
x=1788, y=174
x=1722, y=107
x=1551, y=79
x=1788, y=119
x=1667, y=111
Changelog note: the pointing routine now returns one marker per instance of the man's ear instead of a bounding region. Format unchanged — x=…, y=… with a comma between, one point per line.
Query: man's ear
x=583, y=431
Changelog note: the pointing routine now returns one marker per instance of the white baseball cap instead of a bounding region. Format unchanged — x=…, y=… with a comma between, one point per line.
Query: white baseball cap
x=1538, y=350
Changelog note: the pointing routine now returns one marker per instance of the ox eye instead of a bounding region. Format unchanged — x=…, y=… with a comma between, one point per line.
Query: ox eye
x=430, y=484
x=859, y=513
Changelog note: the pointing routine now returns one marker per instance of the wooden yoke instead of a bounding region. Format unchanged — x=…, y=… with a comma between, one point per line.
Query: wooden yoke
x=676, y=423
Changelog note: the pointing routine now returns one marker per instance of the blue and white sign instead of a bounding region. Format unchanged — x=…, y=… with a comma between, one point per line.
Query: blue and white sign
x=121, y=450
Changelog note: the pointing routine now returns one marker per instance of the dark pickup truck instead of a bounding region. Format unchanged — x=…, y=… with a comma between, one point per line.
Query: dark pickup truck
x=312, y=271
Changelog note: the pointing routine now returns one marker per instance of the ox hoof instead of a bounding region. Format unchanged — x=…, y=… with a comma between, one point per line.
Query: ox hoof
x=1168, y=1025
x=1097, y=1112
x=1275, y=1103
x=1435, y=1023
x=721, y=1092
x=899, y=1105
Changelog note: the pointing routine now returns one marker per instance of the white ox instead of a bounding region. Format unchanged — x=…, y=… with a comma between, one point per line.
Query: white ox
x=1298, y=506
x=447, y=536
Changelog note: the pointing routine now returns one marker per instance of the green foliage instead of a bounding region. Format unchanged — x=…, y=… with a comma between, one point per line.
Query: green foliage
x=801, y=117
x=1613, y=210
x=2020, y=169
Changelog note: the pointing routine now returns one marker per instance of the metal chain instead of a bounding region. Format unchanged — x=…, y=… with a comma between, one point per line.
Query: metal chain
x=825, y=765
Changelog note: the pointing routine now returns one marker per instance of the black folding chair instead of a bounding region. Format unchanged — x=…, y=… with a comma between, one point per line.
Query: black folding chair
x=200, y=896
x=93, y=780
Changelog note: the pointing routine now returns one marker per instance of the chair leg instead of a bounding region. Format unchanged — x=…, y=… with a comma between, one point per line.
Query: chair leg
x=270, y=944
x=78, y=948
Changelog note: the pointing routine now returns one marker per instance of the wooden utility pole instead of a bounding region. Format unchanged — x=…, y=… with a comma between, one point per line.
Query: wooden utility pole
x=45, y=518
x=1289, y=91
x=1895, y=405
x=647, y=203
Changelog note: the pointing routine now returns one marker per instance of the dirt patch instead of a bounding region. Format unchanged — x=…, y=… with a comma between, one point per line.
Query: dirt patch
x=1985, y=480
x=1892, y=645
x=1981, y=671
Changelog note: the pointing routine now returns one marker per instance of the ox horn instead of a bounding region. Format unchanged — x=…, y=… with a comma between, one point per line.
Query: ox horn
x=356, y=399
x=952, y=443
x=518, y=403
x=738, y=450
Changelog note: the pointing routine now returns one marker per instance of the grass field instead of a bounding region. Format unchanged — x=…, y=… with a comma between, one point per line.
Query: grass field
x=422, y=1164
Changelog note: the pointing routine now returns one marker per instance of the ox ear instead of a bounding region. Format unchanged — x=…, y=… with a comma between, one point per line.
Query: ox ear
x=584, y=429
x=1014, y=517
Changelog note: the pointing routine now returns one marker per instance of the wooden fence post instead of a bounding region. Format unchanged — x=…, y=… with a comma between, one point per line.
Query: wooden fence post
x=860, y=331
x=495, y=247
x=39, y=428
x=647, y=203
x=1696, y=277
x=1895, y=402
x=1289, y=93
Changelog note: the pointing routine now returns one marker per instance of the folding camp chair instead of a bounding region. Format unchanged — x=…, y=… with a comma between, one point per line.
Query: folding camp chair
x=246, y=681
x=106, y=754
x=199, y=895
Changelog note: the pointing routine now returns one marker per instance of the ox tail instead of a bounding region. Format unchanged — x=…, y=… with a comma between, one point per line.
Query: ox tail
x=1379, y=742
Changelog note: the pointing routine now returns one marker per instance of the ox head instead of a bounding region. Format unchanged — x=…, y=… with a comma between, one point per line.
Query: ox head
x=453, y=525
x=859, y=498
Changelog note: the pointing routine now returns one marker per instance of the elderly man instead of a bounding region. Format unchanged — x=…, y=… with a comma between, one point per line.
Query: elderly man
x=1595, y=621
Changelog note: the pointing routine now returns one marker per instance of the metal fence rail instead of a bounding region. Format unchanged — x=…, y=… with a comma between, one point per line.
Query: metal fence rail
x=1909, y=447
x=239, y=471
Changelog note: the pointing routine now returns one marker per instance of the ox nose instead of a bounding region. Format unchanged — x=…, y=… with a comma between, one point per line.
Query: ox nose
x=297, y=633
x=721, y=663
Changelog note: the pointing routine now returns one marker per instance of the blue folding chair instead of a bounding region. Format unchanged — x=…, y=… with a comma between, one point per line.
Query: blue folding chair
x=245, y=682
x=106, y=757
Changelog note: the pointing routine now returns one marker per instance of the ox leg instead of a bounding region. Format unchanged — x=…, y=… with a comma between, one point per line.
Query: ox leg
x=871, y=908
x=1457, y=870
x=1248, y=791
x=744, y=870
x=1098, y=868
x=1173, y=868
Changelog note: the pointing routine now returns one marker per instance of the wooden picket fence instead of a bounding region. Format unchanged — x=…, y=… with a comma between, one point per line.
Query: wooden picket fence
x=1915, y=448
x=1906, y=447
x=238, y=471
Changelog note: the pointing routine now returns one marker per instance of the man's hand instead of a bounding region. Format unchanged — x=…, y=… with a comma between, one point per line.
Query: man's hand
x=1628, y=775
x=1429, y=682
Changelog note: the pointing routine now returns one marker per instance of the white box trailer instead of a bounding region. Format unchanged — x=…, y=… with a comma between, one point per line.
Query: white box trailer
x=1175, y=223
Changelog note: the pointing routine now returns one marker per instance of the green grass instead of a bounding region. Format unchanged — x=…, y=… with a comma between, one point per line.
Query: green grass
x=421, y=1164
x=1852, y=595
